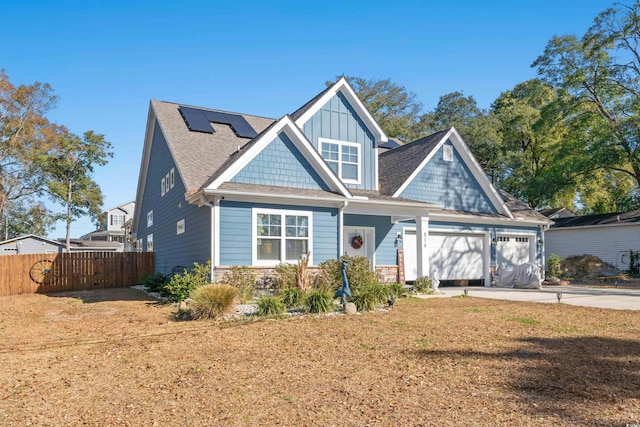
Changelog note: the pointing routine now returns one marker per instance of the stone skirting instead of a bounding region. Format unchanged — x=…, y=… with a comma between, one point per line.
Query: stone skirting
x=387, y=273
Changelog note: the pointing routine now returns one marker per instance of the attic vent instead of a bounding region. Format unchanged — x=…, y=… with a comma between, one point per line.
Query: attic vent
x=200, y=121
x=447, y=153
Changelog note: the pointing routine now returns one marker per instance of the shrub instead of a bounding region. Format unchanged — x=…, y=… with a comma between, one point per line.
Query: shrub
x=291, y=297
x=359, y=272
x=154, y=282
x=270, y=305
x=397, y=290
x=319, y=301
x=243, y=278
x=370, y=297
x=423, y=285
x=320, y=281
x=181, y=285
x=555, y=266
x=287, y=275
x=213, y=301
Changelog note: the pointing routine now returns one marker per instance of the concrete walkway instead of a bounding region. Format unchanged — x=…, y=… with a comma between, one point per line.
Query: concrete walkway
x=620, y=299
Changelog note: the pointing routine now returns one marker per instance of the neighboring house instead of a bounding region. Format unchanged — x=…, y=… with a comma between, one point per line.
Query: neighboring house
x=239, y=189
x=610, y=237
x=114, y=227
x=30, y=244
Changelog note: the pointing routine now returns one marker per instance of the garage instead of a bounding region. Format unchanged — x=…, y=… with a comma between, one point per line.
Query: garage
x=457, y=256
x=514, y=250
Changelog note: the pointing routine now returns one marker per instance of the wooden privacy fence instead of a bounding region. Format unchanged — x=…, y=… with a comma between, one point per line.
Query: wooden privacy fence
x=42, y=273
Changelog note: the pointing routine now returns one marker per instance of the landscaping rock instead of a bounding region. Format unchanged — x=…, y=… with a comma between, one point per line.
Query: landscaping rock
x=350, y=308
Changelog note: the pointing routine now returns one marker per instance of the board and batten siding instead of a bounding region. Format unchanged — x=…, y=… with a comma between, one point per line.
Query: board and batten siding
x=338, y=120
x=606, y=242
x=449, y=183
x=173, y=251
x=236, y=233
x=281, y=164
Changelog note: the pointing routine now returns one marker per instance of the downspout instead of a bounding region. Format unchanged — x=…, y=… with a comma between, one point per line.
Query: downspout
x=204, y=202
x=341, y=228
x=543, y=228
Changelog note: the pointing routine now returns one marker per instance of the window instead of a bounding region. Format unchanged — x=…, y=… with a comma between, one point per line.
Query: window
x=139, y=245
x=280, y=236
x=447, y=153
x=343, y=158
x=149, y=218
x=172, y=178
x=117, y=219
x=166, y=182
x=150, y=243
x=10, y=250
x=163, y=188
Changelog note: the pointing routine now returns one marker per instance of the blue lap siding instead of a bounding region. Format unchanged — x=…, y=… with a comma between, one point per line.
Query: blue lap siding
x=236, y=234
x=172, y=250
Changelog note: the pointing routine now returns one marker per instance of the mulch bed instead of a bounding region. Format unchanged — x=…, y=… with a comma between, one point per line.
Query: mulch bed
x=116, y=357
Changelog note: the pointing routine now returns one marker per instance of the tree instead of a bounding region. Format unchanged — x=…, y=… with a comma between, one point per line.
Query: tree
x=394, y=108
x=69, y=175
x=27, y=216
x=533, y=134
x=600, y=75
x=26, y=137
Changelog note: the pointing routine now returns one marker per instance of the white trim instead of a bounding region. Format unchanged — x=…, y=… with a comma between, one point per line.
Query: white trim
x=372, y=230
x=163, y=189
x=144, y=166
x=486, y=256
x=180, y=227
x=340, y=144
x=283, y=238
x=301, y=142
x=584, y=227
x=345, y=88
x=515, y=222
x=472, y=164
x=216, y=227
x=172, y=177
x=149, y=240
x=150, y=218
x=533, y=242
x=447, y=153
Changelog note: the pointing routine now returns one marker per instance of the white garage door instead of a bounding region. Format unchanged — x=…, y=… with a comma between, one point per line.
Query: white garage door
x=456, y=256
x=514, y=250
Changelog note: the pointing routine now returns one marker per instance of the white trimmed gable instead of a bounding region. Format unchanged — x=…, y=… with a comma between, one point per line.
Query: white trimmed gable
x=295, y=135
x=473, y=166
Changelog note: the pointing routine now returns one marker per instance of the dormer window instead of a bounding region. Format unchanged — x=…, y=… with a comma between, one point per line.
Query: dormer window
x=447, y=153
x=343, y=158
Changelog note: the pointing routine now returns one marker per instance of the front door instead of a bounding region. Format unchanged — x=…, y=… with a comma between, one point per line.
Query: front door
x=365, y=245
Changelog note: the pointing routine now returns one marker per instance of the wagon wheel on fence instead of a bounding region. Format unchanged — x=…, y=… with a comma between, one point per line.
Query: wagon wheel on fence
x=44, y=271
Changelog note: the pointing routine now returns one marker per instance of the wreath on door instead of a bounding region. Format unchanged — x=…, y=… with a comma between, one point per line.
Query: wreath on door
x=357, y=242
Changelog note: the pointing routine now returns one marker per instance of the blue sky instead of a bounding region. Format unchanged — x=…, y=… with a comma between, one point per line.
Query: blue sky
x=106, y=60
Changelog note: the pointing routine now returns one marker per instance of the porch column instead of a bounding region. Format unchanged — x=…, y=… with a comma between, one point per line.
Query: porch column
x=422, y=237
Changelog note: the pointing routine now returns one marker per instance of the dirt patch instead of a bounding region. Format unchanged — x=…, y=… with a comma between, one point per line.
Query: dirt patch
x=115, y=357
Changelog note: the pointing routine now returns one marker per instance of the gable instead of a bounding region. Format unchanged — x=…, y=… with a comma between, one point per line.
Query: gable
x=449, y=183
x=338, y=120
x=281, y=164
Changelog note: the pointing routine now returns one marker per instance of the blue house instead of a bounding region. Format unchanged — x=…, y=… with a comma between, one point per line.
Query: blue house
x=239, y=189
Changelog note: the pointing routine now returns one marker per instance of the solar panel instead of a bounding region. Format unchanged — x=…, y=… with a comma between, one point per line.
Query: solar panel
x=200, y=121
x=240, y=126
x=196, y=119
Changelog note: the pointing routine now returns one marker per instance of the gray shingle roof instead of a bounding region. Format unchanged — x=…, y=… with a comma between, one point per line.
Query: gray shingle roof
x=396, y=165
x=198, y=155
x=519, y=209
x=300, y=111
x=598, y=219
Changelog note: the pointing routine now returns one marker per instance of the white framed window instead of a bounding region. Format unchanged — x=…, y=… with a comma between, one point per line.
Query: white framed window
x=149, y=218
x=163, y=189
x=172, y=178
x=150, y=243
x=180, y=227
x=117, y=219
x=166, y=181
x=344, y=158
x=447, y=153
x=280, y=236
x=139, y=245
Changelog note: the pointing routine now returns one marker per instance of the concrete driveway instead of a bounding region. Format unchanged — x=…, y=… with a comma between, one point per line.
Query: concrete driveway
x=619, y=299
